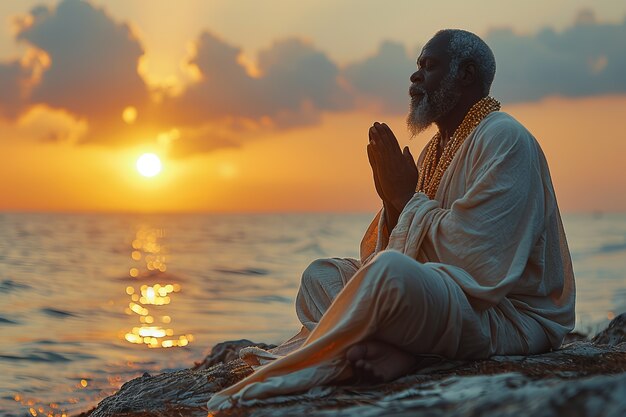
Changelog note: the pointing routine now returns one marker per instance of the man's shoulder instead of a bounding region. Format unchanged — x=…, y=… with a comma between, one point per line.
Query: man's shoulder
x=500, y=122
x=501, y=130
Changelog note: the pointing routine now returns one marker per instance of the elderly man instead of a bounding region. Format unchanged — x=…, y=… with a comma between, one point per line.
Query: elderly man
x=467, y=258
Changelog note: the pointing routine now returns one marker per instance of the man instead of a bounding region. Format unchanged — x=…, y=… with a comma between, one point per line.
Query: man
x=475, y=263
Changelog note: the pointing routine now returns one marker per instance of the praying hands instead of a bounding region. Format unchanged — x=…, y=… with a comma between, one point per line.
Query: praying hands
x=395, y=172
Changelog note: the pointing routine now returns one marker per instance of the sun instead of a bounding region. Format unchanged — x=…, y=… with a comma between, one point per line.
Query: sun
x=148, y=165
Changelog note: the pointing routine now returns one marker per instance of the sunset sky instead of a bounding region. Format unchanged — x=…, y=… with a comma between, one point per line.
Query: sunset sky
x=265, y=105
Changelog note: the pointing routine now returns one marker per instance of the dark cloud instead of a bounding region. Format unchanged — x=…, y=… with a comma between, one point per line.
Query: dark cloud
x=86, y=64
x=294, y=72
x=208, y=138
x=224, y=88
x=93, y=60
x=588, y=58
x=384, y=77
x=295, y=83
x=13, y=85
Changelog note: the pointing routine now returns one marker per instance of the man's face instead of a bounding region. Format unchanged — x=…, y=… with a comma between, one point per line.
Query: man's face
x=434, y=91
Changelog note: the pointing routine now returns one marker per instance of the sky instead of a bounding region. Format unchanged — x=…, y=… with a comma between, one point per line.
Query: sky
x=264, y=106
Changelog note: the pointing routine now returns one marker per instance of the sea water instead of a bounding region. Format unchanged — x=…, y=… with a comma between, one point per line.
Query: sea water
x=90, y=301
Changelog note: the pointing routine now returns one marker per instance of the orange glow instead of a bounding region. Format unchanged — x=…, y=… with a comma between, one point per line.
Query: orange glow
x=284, y=172
x=129, y=115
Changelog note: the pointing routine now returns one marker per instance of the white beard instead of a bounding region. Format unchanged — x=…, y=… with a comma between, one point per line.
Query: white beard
x=427, y=110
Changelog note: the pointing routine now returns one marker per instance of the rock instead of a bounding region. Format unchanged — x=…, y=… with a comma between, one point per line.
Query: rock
x=226, y=352
x=180, y=393
x=582, y=378
x=614, y=334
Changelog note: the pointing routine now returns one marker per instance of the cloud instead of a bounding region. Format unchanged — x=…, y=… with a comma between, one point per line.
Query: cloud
x=588, y=58
x=383, y=78
x=293, y=84
x=93, y=70
x=90, y=66
x=13, y=80
x=85, y=63
x=181, y=143
x=230, y=103
x=294, y=72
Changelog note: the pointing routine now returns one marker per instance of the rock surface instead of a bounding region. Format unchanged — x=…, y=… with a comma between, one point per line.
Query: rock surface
x=582, y=378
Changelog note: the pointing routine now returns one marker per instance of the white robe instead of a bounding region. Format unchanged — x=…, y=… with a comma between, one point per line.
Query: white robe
x=486, y=260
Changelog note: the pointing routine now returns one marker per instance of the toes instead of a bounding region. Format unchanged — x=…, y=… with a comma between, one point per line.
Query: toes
x=364, y=365
x=357, y=352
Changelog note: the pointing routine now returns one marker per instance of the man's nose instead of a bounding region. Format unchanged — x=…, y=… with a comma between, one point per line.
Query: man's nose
x=416, y=76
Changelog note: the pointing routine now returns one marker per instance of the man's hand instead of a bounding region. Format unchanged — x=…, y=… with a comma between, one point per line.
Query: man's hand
x=395, y=172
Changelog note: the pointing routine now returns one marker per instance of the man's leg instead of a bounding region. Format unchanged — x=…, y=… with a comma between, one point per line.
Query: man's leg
x=321, y=281
x=423, y=311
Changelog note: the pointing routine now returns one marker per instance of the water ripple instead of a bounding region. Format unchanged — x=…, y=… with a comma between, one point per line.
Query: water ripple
x=46, y=356
x=243, y=271
x=53, y=312
x=7, y=321
x=8, y=285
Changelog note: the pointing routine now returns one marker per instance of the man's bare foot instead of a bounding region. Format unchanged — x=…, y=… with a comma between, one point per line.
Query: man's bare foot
x=375, y=362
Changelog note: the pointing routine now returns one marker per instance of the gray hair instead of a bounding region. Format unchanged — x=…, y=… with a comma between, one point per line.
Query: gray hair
x=464, y=45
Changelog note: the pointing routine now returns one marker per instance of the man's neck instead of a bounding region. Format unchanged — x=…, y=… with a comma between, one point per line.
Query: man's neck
x=450, y=122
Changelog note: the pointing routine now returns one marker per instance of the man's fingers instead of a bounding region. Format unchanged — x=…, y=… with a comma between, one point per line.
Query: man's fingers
x=390, y=136
x=407, y=154
x=370, y=155
x=382, y=142
x=374, y=141
x=389, y=139
x=373, y=134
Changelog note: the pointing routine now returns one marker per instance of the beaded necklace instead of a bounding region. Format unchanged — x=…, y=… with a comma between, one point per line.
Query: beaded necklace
x=433, y=168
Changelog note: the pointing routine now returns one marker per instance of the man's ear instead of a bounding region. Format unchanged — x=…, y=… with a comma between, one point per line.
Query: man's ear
x=468, y=73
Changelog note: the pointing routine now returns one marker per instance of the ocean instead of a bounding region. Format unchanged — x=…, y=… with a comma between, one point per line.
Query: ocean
x=89, y=301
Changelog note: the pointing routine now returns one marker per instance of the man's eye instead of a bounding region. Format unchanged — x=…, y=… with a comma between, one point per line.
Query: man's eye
x=427, y=66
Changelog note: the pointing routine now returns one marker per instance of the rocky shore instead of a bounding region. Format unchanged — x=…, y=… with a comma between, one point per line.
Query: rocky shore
x=585, y=377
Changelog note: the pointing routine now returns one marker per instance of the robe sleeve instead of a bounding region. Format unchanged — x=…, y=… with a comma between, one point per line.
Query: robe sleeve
x=485, y=238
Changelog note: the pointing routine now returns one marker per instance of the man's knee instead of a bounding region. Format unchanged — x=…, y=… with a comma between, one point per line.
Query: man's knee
x=393, y=268
x=318, y=272
x=394, y=262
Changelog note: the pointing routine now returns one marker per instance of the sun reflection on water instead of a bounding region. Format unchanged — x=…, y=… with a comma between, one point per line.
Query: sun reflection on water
x=151, y=256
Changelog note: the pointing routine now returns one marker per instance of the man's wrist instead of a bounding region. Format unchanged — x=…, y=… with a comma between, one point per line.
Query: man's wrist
x=390, y=208
x=400, y=202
